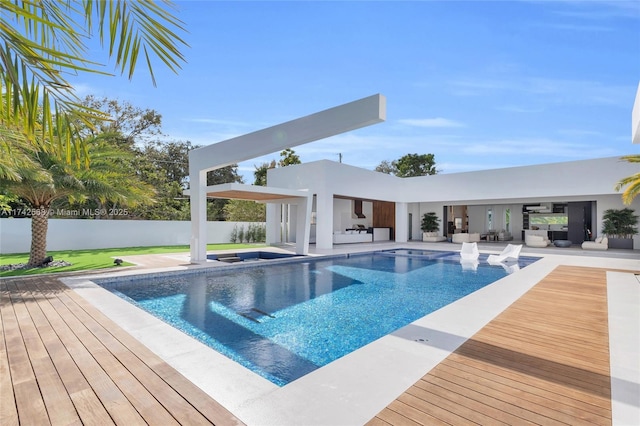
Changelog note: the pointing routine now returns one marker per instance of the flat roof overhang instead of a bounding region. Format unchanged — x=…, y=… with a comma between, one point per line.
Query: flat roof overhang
x=264, y=194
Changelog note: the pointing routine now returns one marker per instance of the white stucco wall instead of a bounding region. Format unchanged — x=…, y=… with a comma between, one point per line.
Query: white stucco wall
x=75, y=234
x=586, y=180
x=524, y=184
x=343, y=217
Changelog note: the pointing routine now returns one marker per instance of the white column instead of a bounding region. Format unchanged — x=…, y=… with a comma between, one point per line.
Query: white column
x=198, y=199
x=402, y=225
x=303, y=225
x=293, y=220
x=274, y=217
x=324, y=221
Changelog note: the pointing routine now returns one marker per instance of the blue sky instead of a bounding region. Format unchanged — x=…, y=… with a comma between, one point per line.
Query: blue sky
x=479, y=84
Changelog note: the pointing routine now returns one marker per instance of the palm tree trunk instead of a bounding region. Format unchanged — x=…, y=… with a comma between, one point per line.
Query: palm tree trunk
x=39, y=226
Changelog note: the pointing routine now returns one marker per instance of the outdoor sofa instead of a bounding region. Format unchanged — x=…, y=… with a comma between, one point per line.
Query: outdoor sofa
x=601, y=243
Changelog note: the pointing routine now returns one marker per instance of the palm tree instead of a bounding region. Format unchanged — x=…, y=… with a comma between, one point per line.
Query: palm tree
x=42, y=41
x=49, y=178
x=632, y=182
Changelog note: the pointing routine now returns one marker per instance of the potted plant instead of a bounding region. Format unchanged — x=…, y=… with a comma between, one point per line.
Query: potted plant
x=430, y=225
x=619, y=225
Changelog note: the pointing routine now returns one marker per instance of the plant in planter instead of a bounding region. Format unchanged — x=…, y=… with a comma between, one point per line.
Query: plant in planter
x=619, y=225
x=430, y=225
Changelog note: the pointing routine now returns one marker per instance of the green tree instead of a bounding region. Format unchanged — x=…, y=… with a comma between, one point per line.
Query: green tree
x=288, y=157
x=166, y=167
x=162, y=165
x=245, y=211
x=385, y=167
x=260, y=173
x=41, y=42
x=129, y=124
x=49, y=178
x=229, y=174
x=631, y=182
x=410, y=165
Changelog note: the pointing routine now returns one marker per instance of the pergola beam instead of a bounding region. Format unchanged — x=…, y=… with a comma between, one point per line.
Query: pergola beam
x=323, y=124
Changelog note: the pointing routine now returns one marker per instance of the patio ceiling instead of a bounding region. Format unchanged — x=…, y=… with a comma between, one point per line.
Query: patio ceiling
x=237, y=191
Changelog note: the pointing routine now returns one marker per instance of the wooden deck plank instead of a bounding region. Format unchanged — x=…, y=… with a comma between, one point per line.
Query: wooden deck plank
x=30, y=405
x=212, y=410
x=57, y=401
x=162, y=392
x=115, y=402
x=544, y=360
x=565, y=406
x=8, y=408
x=513, y=377
x=137, y=395
x=88, y=369
x=85, y=400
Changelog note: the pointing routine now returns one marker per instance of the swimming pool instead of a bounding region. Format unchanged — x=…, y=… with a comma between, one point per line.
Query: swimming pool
x=283, y=321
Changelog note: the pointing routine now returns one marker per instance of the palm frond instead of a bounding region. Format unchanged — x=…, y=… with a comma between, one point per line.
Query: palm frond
x=42, y=41
x=631, y=182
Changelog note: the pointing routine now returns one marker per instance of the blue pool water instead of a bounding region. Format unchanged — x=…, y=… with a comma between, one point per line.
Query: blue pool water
x=285, y=320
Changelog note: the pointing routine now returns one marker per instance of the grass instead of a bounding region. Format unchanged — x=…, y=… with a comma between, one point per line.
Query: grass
x=87, y=260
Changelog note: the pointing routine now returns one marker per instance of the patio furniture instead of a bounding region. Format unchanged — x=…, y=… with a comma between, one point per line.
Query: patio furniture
x=469, y=251
x=601, y=243
x=505, y=236
x=346, y=237
x=466, y=237
x=511, y=251
x=562, y=243
x=536, y=241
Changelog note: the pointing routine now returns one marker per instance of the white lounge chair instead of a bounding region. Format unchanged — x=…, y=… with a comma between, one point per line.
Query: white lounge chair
x=511, y=251
x=469, y=251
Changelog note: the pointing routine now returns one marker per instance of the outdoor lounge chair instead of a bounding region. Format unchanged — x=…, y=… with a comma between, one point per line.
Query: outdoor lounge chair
x=469, y=251
x=601, y=243
x=511, y=251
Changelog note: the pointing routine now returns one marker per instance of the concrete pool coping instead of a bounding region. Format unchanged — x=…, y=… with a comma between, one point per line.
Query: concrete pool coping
x=353, y=389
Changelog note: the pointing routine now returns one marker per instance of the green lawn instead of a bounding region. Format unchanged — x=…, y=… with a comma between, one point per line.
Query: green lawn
x=86, y=260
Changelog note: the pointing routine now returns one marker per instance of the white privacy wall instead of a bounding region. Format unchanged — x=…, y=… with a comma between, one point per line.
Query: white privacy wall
x=75, y=234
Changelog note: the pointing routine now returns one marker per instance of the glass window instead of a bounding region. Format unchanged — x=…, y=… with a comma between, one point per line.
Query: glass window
x=548, y=219
x=507, y=220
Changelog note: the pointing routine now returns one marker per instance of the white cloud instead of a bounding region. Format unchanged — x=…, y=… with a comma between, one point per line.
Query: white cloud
x=431, y=122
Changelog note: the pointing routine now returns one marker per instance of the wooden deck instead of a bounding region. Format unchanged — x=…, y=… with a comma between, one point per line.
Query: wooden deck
x=544, y=360
x=62, y=363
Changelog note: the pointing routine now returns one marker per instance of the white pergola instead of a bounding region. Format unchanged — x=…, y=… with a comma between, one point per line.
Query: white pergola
x=323, y=124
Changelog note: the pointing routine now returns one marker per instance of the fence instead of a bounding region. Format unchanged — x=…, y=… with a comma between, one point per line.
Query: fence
x=76, y=234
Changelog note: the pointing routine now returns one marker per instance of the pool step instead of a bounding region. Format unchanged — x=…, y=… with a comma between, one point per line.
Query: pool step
x=229, y=257
x=249, y=316
x=262, y=312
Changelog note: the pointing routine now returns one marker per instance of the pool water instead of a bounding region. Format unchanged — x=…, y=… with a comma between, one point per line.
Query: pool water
x=283, y=321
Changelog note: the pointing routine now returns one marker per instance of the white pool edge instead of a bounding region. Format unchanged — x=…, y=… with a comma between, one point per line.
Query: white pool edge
x=623, y=299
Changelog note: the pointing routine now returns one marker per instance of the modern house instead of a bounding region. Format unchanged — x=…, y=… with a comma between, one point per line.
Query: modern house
x=497, y=204
x=330, y=203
